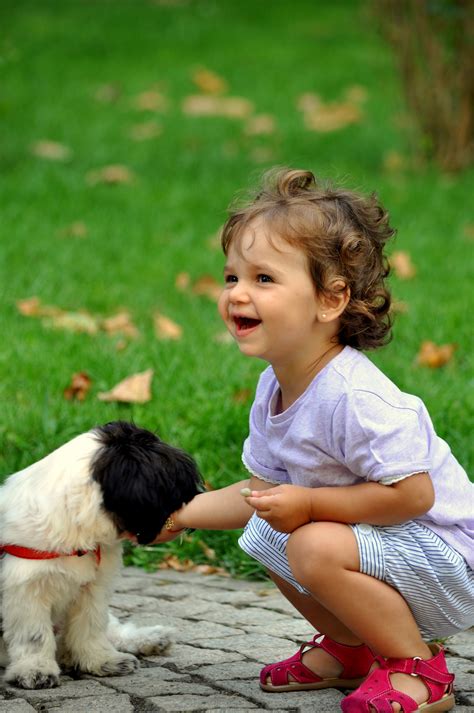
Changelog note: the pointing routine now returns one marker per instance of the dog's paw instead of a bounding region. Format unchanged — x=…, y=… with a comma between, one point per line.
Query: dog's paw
x=44, y=677
x=141, y=640
x=153, y=640
x=120, y=665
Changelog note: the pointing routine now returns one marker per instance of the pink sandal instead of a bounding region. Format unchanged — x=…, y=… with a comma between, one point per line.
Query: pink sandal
x=377, y=694
x=356, y=662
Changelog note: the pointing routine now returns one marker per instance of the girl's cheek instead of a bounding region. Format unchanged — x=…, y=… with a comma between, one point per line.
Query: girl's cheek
x=222, y=305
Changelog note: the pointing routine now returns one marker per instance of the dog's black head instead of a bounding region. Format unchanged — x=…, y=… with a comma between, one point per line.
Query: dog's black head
x=143, y=480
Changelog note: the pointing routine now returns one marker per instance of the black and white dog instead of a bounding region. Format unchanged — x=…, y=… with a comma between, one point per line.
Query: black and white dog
x=60, y=525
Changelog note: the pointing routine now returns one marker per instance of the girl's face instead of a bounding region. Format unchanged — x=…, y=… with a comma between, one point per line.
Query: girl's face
x=269, y=303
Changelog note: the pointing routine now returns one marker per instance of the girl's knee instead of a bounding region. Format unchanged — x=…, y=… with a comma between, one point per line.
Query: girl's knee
x=321, y=547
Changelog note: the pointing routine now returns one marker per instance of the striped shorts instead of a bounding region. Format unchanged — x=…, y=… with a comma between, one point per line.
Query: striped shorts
x=433, y=578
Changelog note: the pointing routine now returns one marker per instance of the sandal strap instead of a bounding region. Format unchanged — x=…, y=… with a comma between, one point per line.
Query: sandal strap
x=355, y=660
x=419, y=667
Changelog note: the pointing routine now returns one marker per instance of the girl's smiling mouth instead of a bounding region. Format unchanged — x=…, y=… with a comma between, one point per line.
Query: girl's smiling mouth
x=245, y=325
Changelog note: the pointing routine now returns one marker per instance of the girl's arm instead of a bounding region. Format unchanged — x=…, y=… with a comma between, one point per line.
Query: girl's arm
x=286, y=507
x=223, y=509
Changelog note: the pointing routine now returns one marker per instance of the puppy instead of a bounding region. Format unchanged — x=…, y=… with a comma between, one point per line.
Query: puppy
x=60, y=525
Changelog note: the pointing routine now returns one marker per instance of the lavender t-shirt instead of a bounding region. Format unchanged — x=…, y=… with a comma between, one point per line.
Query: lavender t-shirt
x=353, y=424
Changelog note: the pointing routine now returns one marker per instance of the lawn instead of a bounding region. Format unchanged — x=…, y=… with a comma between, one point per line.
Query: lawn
x=109, y=84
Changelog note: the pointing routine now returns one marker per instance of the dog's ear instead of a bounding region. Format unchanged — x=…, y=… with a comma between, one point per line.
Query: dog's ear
x=143, y=479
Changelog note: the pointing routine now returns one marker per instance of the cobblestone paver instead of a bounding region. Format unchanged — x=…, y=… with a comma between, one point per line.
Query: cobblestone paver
x=224, y=631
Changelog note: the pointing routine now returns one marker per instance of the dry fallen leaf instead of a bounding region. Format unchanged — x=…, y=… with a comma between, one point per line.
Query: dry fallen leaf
x=260, y=124
x=51, y=150
x=78, y=229
x=242, y=396
x=208, y=286
x=182, y=281
x=356, y=93
x=108, y=93
x=434, y=356
x=209, y=82
x=113, y=174
x=81, y=321
x=401, y=263
x=145, y=131
x=393, y=161
x=32, y=307
x=332, y=116
x=120, y=323
x=229, y=107
x=165, y=328
x=134, y=389
x=151, y=100
x=79, y=386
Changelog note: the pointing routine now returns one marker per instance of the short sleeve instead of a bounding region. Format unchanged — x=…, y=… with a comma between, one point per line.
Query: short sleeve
x=257, y=456
x=379, y=440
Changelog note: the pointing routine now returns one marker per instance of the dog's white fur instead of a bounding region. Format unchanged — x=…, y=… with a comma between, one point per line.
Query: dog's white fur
x=55, y=612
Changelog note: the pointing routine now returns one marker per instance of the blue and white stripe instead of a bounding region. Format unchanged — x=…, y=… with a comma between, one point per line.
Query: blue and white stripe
x=433, y=578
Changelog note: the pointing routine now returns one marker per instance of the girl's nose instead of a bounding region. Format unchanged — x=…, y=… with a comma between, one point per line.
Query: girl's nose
x=238, y=293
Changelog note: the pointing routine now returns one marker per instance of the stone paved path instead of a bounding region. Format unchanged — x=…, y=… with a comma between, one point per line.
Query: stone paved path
x=224, y=631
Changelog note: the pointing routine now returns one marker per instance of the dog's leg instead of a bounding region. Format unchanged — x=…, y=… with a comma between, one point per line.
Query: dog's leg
x=28, y=635
x=85, y=645
x=138, y=640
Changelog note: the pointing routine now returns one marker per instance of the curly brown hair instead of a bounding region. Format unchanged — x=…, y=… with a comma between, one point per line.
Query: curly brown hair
x=343, y=235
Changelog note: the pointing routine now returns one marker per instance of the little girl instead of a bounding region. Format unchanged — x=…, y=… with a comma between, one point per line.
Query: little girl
x=359, y=511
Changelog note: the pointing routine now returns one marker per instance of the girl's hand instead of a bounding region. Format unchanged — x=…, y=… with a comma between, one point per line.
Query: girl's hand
x=285, y=507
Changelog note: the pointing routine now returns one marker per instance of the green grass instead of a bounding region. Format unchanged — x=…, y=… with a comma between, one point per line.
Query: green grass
x=54, y=55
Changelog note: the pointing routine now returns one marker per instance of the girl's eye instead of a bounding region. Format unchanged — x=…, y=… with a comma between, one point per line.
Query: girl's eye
x=264, y=278
x=230, y=278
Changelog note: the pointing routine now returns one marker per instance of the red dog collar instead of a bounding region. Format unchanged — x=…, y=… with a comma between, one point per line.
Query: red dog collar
x=31, y=554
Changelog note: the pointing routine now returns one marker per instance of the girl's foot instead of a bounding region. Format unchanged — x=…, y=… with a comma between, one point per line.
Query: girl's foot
x=408, y=685
x=320, y=663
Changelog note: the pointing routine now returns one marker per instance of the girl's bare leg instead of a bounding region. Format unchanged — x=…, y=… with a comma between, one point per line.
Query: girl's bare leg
x=324, y=558
x=323, y=622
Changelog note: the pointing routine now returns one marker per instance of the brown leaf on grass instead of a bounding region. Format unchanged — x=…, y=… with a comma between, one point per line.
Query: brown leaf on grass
x=469, y=231
x=228, y=107
x=151, y=100
x=120, y=323
x=81, y=321
x=134, y=389
x=208, y=286
x=209, y=82
x=32, y=307
x=393, y=161
x=208, y=485
x=401, y=263
x=434, y=355
x=52, y=316
x=172, y=562
x=108, y=93
x=208, y=551
x=182, y=281
x=51, y=150
x=260, y=124
x=145, y=131
x=78, y=229
x=332, y=116
x=79, y=386
x=112, y=175
x=242, y=396
x=78, y=321
x=356, y=93
x=165, y=328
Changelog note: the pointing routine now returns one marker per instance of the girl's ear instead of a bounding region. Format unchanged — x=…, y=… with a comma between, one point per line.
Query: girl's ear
x=333, y=301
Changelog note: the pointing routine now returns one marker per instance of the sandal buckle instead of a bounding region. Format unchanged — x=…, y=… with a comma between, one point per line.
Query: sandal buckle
x=415, y=658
